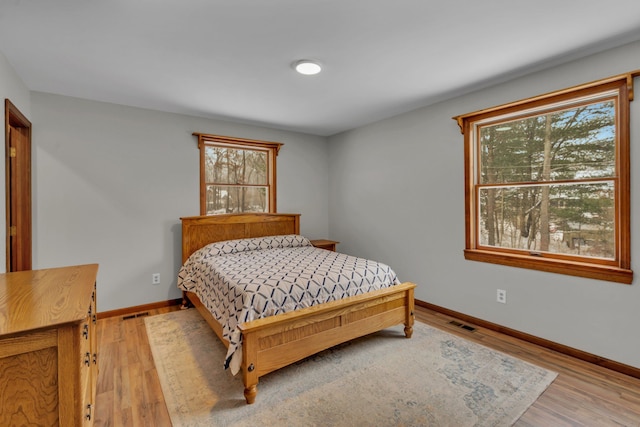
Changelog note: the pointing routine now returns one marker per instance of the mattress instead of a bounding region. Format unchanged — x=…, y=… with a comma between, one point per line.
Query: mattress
x=242, y=280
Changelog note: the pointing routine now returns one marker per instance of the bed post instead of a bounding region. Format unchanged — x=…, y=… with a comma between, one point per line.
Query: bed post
x=410, y=317
x=249, y=368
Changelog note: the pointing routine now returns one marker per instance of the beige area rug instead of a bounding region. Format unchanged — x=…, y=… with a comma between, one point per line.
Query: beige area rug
x=384, y=379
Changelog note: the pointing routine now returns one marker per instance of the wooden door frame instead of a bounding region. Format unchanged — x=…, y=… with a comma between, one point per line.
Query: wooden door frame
x=14, y=118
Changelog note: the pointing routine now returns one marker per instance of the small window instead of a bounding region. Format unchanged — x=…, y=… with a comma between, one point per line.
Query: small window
x=547, y=182
x=237, y=175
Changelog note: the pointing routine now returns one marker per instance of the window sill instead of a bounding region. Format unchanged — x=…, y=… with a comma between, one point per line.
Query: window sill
x=593, y=271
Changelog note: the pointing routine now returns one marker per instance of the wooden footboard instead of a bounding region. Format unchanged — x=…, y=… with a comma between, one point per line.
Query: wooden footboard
x=274, y=342
x=277, y=341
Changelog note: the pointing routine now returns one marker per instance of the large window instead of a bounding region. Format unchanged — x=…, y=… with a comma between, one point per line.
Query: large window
x=547, y=182
x=236, y=175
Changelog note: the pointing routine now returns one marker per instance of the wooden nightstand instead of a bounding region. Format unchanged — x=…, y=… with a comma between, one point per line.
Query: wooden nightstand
x=329, y=245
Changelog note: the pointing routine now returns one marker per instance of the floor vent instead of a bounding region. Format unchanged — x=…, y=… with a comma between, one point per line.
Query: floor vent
x=133, y=316
x=462, y=325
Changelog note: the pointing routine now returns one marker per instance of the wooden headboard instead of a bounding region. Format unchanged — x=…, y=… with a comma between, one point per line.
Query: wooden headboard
x=199, y=231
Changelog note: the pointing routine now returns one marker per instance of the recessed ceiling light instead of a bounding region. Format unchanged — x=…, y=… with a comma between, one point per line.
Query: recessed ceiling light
x=307, y=67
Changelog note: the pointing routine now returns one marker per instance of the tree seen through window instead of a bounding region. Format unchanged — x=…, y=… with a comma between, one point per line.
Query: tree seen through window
x=237, y=175
x=547, y=181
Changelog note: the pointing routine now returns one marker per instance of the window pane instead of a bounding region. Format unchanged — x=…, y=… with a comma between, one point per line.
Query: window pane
x=225, y=199
x=235, y=166
x=568, y=144
x=576, y=219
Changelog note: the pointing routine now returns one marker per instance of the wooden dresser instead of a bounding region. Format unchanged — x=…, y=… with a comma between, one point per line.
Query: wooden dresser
x=48, y=347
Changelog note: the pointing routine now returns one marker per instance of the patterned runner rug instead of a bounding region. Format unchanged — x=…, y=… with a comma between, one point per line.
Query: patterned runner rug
x=384, y=379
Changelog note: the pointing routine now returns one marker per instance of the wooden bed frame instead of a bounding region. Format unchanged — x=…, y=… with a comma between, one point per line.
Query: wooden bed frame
x=277, y=341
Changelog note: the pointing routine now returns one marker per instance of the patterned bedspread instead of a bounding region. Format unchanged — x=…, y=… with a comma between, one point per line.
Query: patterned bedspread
x=243, y=280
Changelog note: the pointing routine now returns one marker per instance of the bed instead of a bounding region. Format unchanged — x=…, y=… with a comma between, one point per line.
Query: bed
x=273, y=342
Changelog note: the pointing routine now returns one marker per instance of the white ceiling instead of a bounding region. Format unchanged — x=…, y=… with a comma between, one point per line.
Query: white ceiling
x=231, y=59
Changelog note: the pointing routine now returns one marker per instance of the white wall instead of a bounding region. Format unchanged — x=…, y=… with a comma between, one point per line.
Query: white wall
x=397, y=195
x=12, y=88
x=111, y=182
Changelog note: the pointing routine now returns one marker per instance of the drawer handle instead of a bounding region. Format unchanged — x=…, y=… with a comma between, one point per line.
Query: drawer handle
x=95, y=359
x=95, y=319
x=88, y=416
x=85, y=332
x=87, y=359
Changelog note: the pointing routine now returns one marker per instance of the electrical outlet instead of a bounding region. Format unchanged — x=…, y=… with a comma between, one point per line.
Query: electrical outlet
x=501, y=296
x=155, y=279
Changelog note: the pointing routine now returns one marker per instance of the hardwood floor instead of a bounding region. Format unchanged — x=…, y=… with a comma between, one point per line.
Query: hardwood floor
x=583, y=394
x=129, y=392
